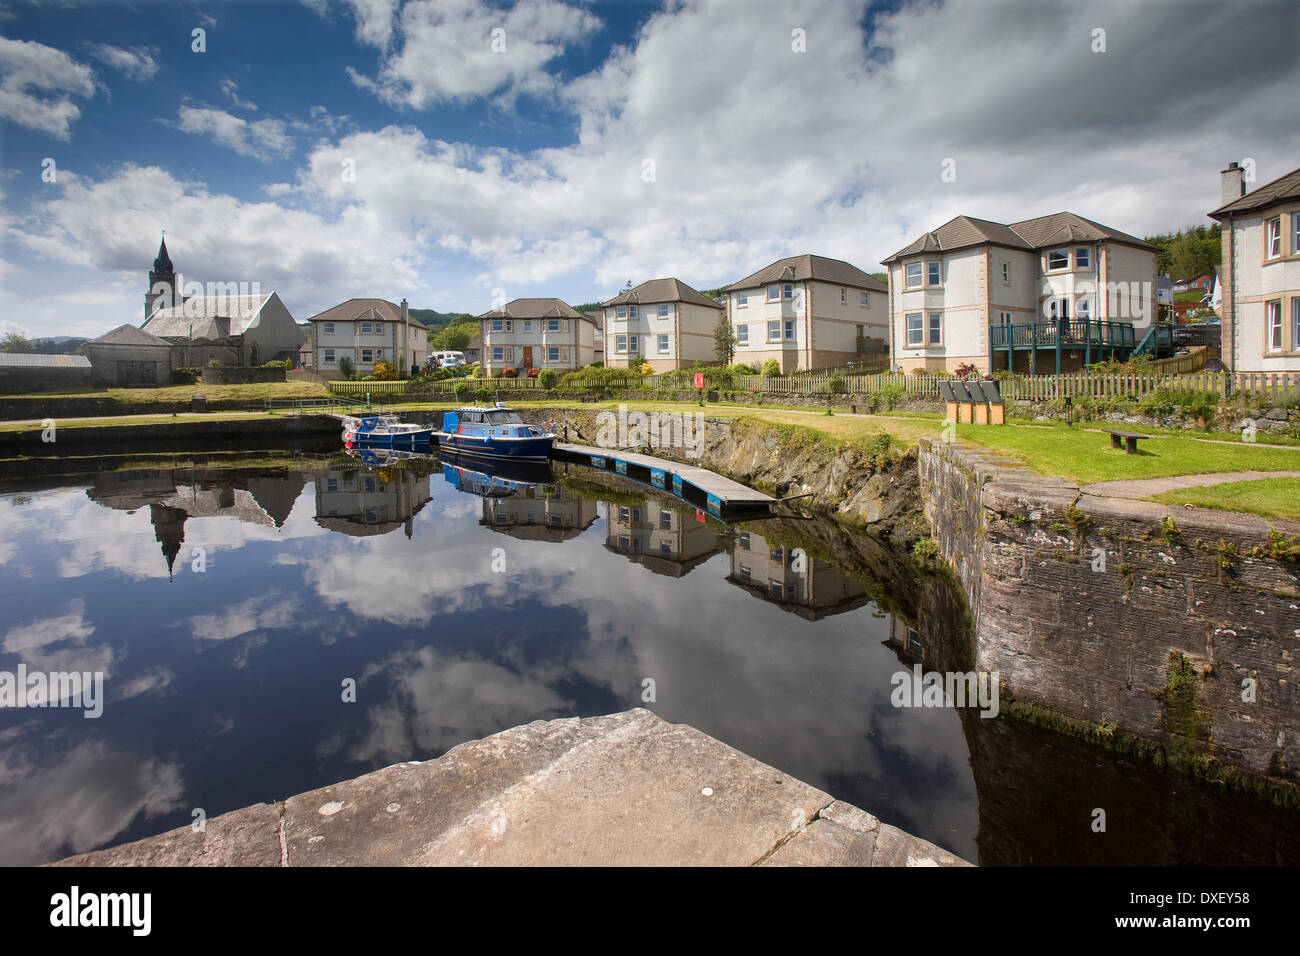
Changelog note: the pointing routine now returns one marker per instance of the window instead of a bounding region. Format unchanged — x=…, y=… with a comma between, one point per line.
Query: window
x=1273, y=238
x=1295, y=233
x=1004, y=318
x=498, y=325
x=1006, y=272
x=934, y=273
x=528, y=325
x=622, y=312
x=787, y=291
x=666, y=520
x=1058, y=309
x=498, y=354
x=329, y=328
x=789, y=329
x=663, y=310
x=1058, y=259
x=1085, y=309
x=634, y=343
x=935, y=329
x=331, y=484
x=620, y=343
x=844, y=296
x=1083, y=258
x=552, y=325
x=1295, y=325
x=1273, y=325
x=773, y=293
x=631, y=312
x=552, y=355
x=742, y=300
x=742, y=541
x=914, y=329
x=777, y=556
x=866, y=300
x=914, y=275
x=367, y=356
x=663, y=343
x=774, y=330
x=742, y=335
x=329, y=356
x=365, y=328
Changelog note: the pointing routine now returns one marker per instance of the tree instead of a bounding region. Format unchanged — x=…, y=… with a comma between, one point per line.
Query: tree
x=13, y=342
x=771, y=368
x=345, y=366
x=454, y=338
x=385, y=372
x=724, y=340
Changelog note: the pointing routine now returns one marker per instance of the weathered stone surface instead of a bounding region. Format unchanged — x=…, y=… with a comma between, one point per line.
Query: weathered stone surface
x=896, y=848
x=625, y=789
x=247, y=837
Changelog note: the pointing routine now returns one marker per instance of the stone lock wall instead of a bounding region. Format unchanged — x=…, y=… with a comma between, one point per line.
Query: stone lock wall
x=1126, y=614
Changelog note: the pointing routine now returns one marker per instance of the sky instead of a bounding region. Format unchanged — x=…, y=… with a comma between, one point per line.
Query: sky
x=460, y=153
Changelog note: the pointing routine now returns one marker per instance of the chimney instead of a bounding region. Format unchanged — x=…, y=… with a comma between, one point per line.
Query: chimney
x=1232, y=183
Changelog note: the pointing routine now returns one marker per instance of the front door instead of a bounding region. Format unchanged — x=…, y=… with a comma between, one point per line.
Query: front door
x=528, y=356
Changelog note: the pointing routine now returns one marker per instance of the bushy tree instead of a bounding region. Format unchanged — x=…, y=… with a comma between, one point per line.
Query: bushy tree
x=771, y=368
x=13, y=342
x=346, y=367
x=385, y=372
x=724, y=340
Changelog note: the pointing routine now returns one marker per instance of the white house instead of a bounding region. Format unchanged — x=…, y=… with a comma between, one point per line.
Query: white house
x=1041, y=295
x=537, y=333
x=807, y=312
x=1260, y=272
x=663, y=322
x=366, y=332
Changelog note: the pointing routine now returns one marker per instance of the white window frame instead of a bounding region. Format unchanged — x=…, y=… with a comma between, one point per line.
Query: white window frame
x=328, y=328
x=1064, y=267
x=774, y=287
x=1084, y=310
x=528, y=325
x=498, y=325
x=787, y=290
x=1273, y=237
x=789, y=330
x=329, y=357
x=1083, y=257
x=553, y=325
x=552, y=354
x=774, y=330
x=915, y=336
x=933, y=325
x=1273, y=325
x=620, y=345
x=663, y=310
x=631, y=312
x=865, y=301
x=662, y=344
x=498, y=353
x=620, y=312
x=1006, y=272
x=1295, y=233
x=742, y=300
x=634, y=344
x=1295, y=323
x=920, y=275
x=933, y=275
x=742, y=335
x=844, y=296
x=367, y=356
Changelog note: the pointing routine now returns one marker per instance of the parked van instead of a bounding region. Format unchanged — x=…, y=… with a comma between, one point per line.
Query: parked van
x=447, y=359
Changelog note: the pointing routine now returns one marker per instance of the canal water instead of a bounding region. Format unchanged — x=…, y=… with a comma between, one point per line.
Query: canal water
x=272, y=623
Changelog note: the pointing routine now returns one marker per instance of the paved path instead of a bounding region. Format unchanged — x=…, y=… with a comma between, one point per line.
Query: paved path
x=628, y=789
x=1146, y=487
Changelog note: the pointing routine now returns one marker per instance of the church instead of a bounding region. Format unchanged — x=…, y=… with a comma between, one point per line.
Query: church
x=228, y=323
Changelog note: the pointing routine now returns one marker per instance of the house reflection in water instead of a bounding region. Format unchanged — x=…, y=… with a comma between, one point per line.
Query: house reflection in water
x=664, y=539
x=540, y=513
x=355, y=500
x=905, y=641
x=174, y=495
x=806, y=586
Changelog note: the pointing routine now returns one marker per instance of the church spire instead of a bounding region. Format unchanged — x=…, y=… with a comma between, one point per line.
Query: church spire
x=163, y=263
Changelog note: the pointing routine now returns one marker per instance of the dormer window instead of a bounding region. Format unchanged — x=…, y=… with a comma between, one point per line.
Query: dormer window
x=1058, y=259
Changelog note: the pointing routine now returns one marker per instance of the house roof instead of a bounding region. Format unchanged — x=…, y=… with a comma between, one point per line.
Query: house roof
x=362, y=310
x=1278, y=190
x=37, y=360
x=964, y=232
x=664, y=290
x=209, y=317
x=536, y=309
x=796, y=268
x=128, y=334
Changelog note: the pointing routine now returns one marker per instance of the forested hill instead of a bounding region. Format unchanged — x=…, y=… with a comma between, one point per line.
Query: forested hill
x=1188, y=252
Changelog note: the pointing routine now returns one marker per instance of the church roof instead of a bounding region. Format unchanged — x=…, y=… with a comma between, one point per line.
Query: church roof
x=129, y=334
x=210, y=317
x=163, y=263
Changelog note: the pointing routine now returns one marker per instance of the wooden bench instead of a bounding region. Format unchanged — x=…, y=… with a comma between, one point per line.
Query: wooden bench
x=1130, y=440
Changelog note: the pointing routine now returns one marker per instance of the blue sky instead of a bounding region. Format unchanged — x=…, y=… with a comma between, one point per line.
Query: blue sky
x=561, y=147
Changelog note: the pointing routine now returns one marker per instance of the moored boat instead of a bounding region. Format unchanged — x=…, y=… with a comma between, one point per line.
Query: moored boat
x=385, y=431
x=494, y=431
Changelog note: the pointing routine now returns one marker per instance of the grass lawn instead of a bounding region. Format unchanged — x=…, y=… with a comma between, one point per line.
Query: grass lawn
x=66, y=423
x=182, y=393
x=1086, y=456
x=1269, y=497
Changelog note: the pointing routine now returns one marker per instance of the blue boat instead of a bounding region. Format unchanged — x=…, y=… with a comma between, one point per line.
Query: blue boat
x=496, y=432
x=385, y=431
x=497, y=479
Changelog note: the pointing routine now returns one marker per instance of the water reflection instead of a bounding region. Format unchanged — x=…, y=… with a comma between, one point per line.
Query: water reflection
x=224, y=681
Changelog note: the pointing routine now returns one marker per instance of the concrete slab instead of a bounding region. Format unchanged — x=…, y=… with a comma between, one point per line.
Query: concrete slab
x=626, y=789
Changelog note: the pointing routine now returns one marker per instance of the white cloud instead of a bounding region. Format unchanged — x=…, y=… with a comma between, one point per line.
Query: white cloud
x=230, y=89
x=38, y=84
x=451, y=50
x=261, y=139
x=136, y=63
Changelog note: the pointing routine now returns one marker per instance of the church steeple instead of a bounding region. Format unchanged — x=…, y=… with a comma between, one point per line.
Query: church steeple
x=163, y=262
x=162, y=282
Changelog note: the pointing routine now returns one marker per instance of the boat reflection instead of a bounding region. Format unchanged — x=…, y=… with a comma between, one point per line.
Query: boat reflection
x=521, y=499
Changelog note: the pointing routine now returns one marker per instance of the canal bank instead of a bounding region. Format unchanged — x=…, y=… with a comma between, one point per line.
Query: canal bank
x=627, y=789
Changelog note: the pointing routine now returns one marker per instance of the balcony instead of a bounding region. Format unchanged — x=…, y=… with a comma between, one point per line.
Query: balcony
x=1086, y=340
